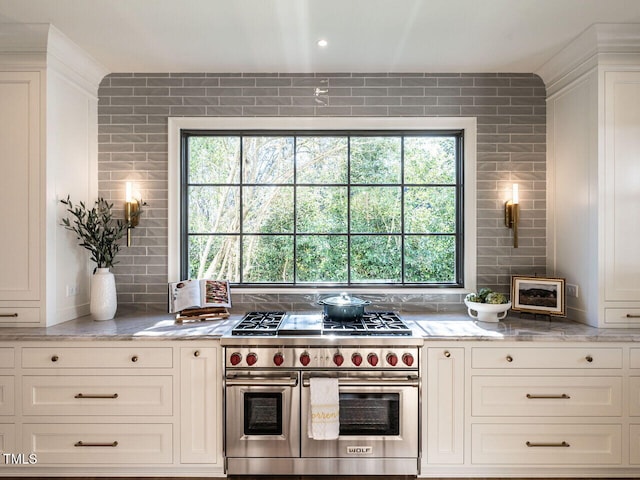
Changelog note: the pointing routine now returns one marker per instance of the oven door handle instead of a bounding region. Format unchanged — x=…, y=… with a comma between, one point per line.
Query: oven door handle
x=259, y=381
x=407, y=381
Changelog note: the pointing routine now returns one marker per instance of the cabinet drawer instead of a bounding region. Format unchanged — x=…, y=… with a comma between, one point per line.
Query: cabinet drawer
x=19, y=315
x=97, y=395
x=7, y=394
x=634, y=357
x=7, y=356
x=108, y=444
x=634, y=444
x=537, y=357
x=100, y=357
x=546, y=396
x=546, y=444
x=634, y=396
x=622, y=316
x=7, y=438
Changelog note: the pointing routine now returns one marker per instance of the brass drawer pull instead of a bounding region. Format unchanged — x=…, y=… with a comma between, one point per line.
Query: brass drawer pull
x=8, y=315
x=55, y=358
x=589, y=358
x=93, y=444
x=551, y=395
x=629, y=315
x=96, y=395
x=447, y=353
x=196, y=353
x=545, y=444
x=134, y=359
x=509, y=358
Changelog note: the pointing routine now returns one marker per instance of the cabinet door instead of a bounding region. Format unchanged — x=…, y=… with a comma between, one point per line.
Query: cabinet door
x=201, y=405
x=19, y=188
x=445, y=406
x=7, y=439
x=622, y=184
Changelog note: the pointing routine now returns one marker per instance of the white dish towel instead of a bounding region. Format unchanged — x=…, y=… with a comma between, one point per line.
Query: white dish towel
x=324, y=408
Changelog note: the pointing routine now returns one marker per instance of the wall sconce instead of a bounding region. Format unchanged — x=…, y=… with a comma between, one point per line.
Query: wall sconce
x=131, y=211
x=512, y=214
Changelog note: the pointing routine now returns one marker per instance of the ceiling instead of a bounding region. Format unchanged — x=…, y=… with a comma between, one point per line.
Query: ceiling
x=281, y=35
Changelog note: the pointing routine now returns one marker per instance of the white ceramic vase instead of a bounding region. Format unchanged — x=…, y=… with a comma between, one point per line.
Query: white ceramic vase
x=104, y=301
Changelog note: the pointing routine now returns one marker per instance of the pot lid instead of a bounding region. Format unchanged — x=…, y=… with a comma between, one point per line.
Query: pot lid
x=344, y=299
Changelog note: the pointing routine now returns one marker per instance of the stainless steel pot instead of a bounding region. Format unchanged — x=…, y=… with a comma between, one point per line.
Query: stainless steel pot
x=343, y=308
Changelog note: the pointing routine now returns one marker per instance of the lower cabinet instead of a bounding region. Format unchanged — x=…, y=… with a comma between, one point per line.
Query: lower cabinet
x=530, y=409
x=443, y=424
x=7, y=395
x=201, y=400
x=7, y=438
x=98, y=443
x=111, y=408
x=546, y=444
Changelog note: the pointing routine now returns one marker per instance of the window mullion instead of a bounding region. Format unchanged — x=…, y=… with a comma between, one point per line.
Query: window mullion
x=348, y=209
x=295, y=210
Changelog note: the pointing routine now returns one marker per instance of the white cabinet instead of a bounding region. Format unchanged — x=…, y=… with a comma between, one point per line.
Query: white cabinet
x=593, y=140
x=546, y=396
x=7, y=395
x=95, y=408
x=201, y=404
x=634, y=406
x=135, y=357
x=540, y=444
x=97, y=404
x=98, y=443
x=443, y=423
x=621, y=193
x=548, y=405
x=20, y=184
x=106, y=395
x=7, y=437
x=48, y=150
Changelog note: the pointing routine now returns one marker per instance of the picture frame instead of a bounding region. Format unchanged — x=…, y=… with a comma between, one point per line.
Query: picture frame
x=539, y=295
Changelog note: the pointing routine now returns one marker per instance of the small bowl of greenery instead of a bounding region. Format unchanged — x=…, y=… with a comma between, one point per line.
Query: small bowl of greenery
x=487, y=305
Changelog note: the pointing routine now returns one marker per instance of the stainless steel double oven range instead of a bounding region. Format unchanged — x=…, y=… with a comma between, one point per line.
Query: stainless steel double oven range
x=269, y=361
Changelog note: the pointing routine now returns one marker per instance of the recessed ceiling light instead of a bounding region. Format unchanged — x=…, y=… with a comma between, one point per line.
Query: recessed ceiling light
x=322, y=42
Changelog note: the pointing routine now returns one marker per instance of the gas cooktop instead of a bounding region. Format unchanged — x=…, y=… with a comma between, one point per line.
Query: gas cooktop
x=282, y=323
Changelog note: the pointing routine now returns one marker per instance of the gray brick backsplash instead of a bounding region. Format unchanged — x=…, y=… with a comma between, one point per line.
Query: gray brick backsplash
x=511, y=116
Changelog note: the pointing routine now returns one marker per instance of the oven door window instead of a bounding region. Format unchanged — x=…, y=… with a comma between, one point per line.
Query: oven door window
x=370, y=414
x=262, y=413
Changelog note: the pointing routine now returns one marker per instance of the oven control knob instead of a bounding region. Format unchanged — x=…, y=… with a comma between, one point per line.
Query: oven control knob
x=407, y=359
x=372, y=358
x=305, y=359
x=356, y=359
x=338, y=359
x=278, y=359
x=235, y=358
x=252, y=358
x=392, y=359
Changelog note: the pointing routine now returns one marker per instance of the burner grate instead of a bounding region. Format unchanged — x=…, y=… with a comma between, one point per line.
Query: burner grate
x=372, y=323
x=259, y=324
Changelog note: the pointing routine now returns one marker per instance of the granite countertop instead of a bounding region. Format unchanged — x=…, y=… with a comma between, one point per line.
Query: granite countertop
x=436, y=326
x=126, y=326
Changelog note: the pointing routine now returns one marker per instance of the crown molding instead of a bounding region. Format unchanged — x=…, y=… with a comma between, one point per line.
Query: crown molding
x=601, y=43
x=43, y=46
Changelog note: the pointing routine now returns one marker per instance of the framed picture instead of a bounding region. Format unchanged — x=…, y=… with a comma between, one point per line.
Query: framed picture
x=545, y=296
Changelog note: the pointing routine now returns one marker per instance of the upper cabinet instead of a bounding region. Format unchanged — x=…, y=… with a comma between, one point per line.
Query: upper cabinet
x=48, y=150
x=593, y=122
x=20, y=182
